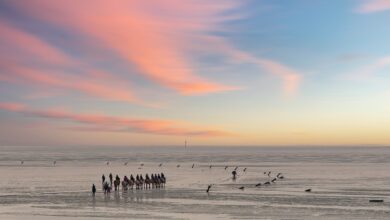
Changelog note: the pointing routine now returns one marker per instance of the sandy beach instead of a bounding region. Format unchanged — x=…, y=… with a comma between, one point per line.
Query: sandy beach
x=342, y=182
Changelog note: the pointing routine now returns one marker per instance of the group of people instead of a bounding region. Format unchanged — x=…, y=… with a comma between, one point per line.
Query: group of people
x=139, y=182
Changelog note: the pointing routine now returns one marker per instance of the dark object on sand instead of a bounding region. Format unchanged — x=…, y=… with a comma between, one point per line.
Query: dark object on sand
x=226, y=167
x=208, y=188
x=257, y=185
x=178, y=166
x=273, y=180
x=308, y=190
x=234, y=173
x=242, y=188
x=193, y=165
x=244, y=169
x=93, y=189
x=160, y=165
x=376, y=200
x=267, y=183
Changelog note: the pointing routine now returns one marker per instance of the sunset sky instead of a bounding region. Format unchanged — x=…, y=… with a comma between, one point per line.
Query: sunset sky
x=221, y=72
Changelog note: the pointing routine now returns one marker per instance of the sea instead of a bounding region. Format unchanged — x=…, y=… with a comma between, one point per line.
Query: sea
x=342, y=180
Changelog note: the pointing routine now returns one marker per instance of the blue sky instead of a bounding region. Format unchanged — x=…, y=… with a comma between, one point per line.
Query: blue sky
x=218, y=73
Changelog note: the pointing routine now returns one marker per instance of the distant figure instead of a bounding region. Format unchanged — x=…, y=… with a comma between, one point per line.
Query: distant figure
x=208, y=188
x=236, y=168
x=273, y=180
x=234, y=173
x=160, y=165
x=242, y=188
x=126, y=163
x=226, y=167
x=211, y=166
x=257, y=185
x=244, y=169
x=267, y=183
x=308, y=190
x=106, y=188
x=376, y=200
x=22, y=162
x=110, y=176
x=178, y=166
x=93, y=189
x=117, y=182
x=108, y=163
x=103, y=178
x=54, y=163
x=193, y=165
x=141, y=164
x=269, y=173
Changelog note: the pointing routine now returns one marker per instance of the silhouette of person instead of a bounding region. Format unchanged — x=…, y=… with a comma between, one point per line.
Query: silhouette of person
x=110, y=178
x=93, y=189
x=234, y=173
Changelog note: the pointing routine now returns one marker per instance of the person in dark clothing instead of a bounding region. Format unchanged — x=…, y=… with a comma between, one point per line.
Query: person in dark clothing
x=93, y=189
x=103, y=178
x=234, y=173
x=110, y=178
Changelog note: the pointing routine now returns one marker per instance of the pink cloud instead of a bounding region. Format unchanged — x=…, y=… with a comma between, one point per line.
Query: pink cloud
x=97, y=122
x=153, y=36
x=78, y=83
x=29, y=61
x=290, y=78
x=369, y=6
x=21, y=44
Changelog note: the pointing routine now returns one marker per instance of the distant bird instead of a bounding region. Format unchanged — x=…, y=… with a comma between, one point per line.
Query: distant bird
x=178, y=166
x=280, y=176
x=244, y=169
x=257, y=185
x=22, y=162
x=54, y=163
x=208, y=188
x=226, y=167
x=273, y=180
x=126, y=163
x=242, y=188
x=160, y=165
x=267, y=183
x=308, y=190
x=193, y=165
x=108, y=163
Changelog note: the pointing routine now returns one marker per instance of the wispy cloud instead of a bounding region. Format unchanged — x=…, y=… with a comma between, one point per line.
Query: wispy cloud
x=154, y=36
x=97, y=122
x=370, y=6
x=369, y=70
x=29, y=61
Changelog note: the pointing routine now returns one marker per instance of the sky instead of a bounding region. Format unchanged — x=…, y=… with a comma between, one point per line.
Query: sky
x=214, y=73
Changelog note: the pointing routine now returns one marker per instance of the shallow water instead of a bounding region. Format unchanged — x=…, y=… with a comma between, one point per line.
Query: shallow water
x=343, y=180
